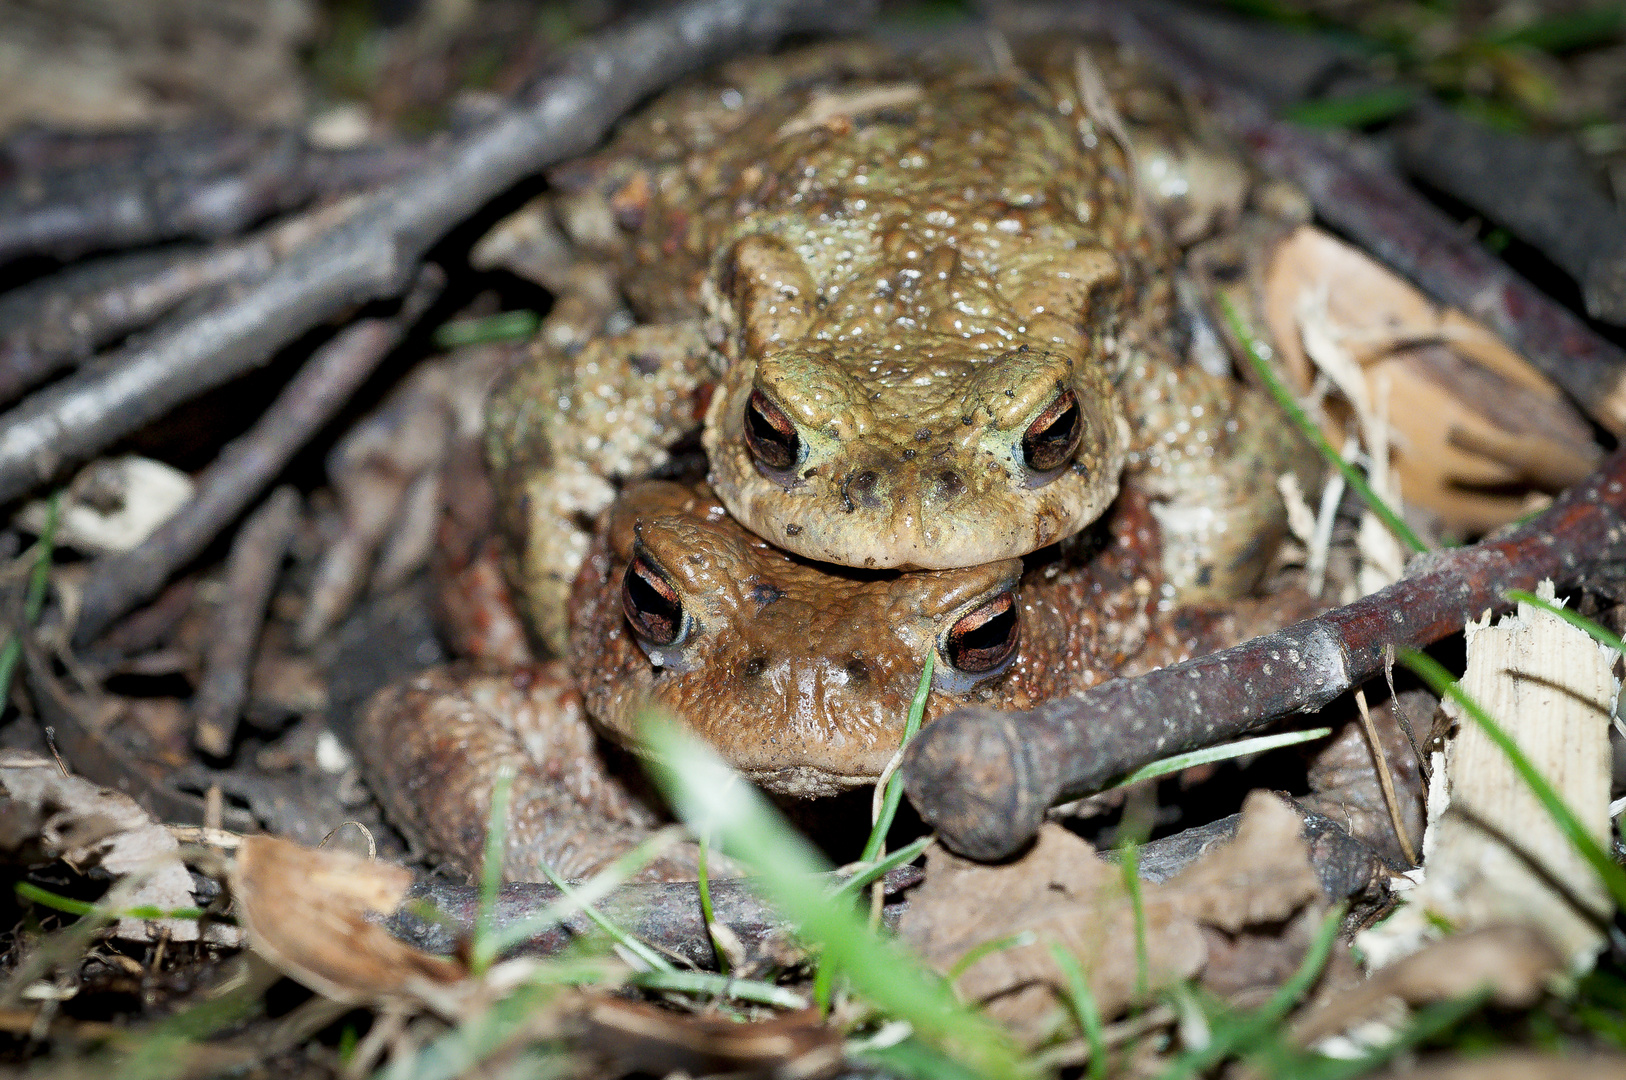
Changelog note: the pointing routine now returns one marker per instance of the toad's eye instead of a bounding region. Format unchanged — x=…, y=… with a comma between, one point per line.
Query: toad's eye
x=651, y=604
x=1052, y=438
x=770, y=434
x=984, y=639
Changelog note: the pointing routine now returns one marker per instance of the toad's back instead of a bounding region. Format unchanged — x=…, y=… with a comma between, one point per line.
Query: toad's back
x=920, y=285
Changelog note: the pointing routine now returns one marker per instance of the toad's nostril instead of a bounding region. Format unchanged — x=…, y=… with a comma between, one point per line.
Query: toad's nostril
x=949, y=484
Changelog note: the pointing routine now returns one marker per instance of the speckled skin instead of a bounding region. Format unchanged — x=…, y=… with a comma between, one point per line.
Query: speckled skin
x=911, y=264
x=801, y=674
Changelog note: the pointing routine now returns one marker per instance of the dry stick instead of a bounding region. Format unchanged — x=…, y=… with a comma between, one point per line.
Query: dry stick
x=251, y=574
x=375, y=253
x=668, y=914
x=984, y=779
x=1378, y=210
x=248, y=464
x=207, y=182
x=1538, y=189
x=61, y=319
x=1380, y=762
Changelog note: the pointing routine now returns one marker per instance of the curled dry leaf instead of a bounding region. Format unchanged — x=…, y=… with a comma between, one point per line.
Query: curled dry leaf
x=307, y=913
x=1475, y=428
x=1061, y=893
x=1513, y=962
x=45, y=812
x=648, y=1039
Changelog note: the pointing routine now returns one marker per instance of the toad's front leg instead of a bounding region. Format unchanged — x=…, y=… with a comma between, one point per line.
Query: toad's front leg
x=563, y=433
x=433, y=746
x=1208, y=452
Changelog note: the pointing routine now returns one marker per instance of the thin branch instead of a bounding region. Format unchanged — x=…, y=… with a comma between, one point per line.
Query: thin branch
x=1539, y=190
x=248, y=465
x=251, y=574
x=984, y=779
x=60, y=320
x=668, y=915
x=375, y=254
x=105, y=193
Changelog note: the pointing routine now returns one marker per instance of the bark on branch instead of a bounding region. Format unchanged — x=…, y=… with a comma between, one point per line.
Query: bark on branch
x=984, y=779
x=376, y=253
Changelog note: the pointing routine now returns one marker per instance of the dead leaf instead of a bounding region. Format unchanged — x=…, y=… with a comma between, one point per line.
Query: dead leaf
x=1062, y=893
x=85, y=825
x=1513, y=962
x=307, y=912
x=649, y=1039
x=1475, y=427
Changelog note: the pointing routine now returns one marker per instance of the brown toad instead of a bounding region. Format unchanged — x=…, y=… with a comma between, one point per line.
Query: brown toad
x=800, y=673
x=932, y=314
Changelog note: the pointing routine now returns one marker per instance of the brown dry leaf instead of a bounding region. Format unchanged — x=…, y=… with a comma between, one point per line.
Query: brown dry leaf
x=306, y=912
x=84, y=825
x=649, y=1039
x=1475, y=427
x=1514, y=962
x=1061, y=892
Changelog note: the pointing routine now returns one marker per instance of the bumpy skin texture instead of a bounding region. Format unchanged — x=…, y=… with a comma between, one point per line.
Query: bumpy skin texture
x=801, y=674
x=434, y=746
x=909, y=267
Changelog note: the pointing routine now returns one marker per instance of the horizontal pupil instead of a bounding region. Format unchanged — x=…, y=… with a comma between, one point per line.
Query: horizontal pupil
x=651, y=604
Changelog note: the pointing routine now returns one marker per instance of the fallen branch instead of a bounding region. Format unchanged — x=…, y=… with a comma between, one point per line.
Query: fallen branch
x=63, y=318
x=248, y=465
x=984, y=779
x=201, y=182
x=667, y=914
x=375, y=254
x=1539, y=190
x=251, y=574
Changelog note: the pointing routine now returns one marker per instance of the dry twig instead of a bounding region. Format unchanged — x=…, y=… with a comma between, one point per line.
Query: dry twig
x=247, y=465
x=376, y=253
x=251, y=574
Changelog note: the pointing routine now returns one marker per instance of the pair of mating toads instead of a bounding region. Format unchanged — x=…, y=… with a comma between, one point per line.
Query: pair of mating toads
x=930, y=322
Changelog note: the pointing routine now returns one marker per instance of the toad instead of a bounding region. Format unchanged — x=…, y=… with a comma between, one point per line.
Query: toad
x=922, y=314
x=799, y=673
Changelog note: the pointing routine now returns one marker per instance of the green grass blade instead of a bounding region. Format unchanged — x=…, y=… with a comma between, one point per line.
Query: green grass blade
x=34, y=600
x=1580, y=622
x=481, y=951
x=1208, y=755
x=1129, y=865
x=590, y=892
x=69, y=906
x=1252, y=1029
x=988, y=948
x=1312, y=431
x=1563, y=33
x=640, y=949
x=703, y=884
x=1084, y=1007
x=505, y=326
x=894, y=787
x=1354, y=110
x=906, y=854
x=714, y=985
x=1441, y=682
x=717, y=802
